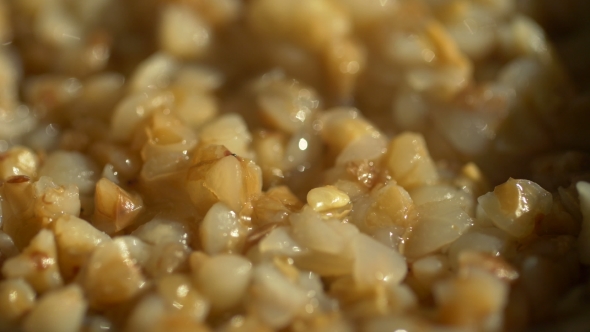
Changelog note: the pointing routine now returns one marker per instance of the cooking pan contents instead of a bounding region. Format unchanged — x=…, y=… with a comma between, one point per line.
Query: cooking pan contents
x=294, y=165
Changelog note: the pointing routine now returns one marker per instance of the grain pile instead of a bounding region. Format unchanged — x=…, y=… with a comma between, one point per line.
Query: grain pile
x=292, y=165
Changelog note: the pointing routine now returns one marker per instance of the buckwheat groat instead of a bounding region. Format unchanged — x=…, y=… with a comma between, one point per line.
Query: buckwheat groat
x=294, y=165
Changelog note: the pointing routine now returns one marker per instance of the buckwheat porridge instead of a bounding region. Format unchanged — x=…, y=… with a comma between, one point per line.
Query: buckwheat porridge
x=294, y=165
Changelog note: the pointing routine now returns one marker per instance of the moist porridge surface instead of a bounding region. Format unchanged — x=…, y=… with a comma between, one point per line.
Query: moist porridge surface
x=294, y=165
